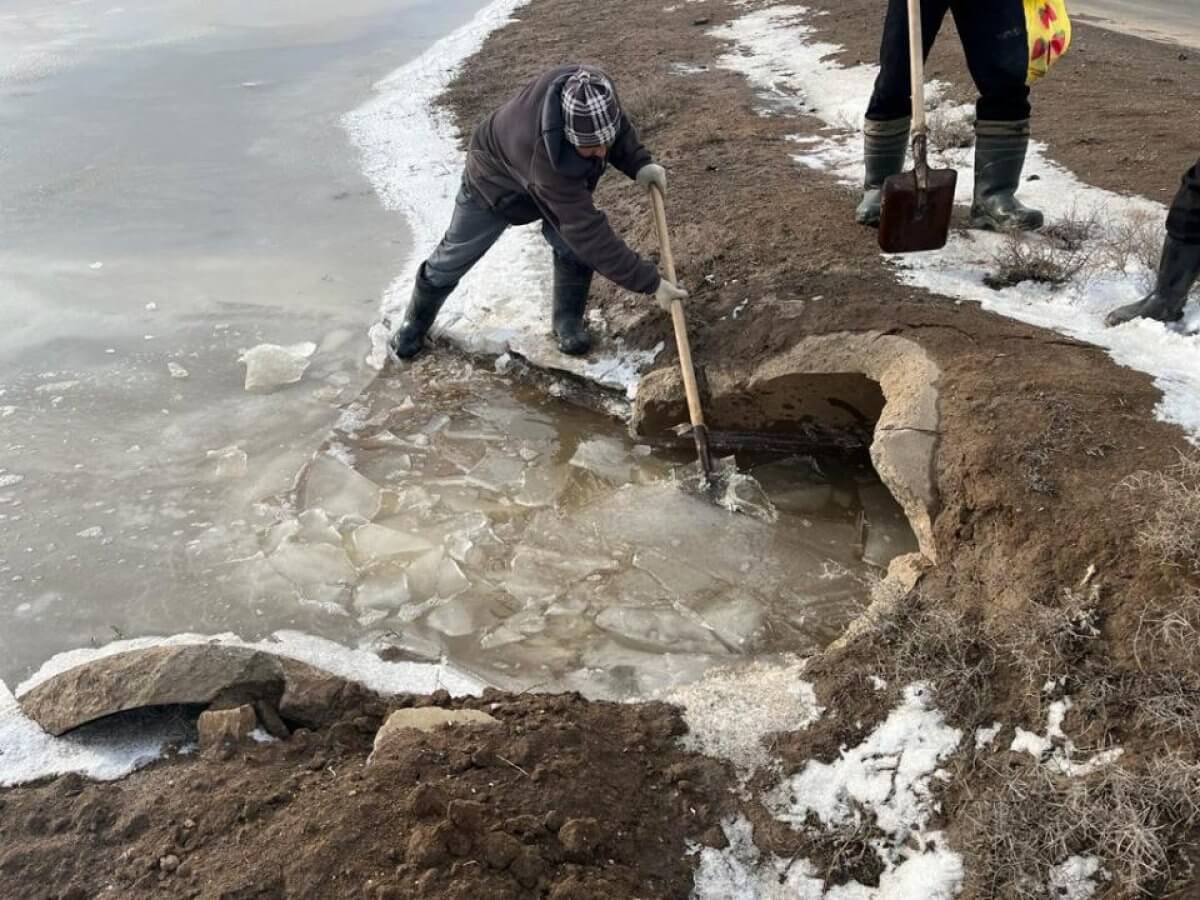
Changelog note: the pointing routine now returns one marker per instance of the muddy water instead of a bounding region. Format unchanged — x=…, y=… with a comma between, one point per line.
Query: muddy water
x=456, y=513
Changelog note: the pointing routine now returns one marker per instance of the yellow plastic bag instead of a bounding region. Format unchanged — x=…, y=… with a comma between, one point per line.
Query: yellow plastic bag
x=1049, y=29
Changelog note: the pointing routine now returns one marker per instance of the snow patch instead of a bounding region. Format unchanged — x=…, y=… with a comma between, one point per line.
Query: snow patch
x=410, y=151
x=722, y=724
x=1057, y=750
x=1076, y=878
x=888, y=773
x=887, y=776
x=793, y=73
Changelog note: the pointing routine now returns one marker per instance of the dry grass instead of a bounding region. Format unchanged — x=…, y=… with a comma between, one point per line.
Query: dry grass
x=942, y=648
x=1048, y=640
x=1171, y=633
x=1024, y=258
x=950, y=130
x=1171, y=528
x=1132, y=819
x=649, y=109
x=1135, y=239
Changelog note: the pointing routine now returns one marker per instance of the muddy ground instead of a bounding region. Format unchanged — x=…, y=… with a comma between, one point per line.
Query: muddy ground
x=1038, y=433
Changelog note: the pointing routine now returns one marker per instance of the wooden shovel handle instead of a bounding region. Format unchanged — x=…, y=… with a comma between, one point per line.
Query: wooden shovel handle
x=916, y=63
x=686, y=366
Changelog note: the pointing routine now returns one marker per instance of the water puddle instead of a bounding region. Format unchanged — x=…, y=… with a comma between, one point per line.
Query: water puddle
x=458, y=514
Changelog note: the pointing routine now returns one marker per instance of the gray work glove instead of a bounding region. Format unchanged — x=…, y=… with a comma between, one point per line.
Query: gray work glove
x=653, y=173
x=667, y=292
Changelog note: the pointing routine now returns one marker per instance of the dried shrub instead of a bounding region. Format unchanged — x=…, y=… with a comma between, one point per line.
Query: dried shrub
x=1170, y=633
x=1136, y=821
x=1048, y=639
x=1074, y=231
x=951, y=129
x=1135, y=239
x=943, y=648
x=1171, y=498
x=1024, y=258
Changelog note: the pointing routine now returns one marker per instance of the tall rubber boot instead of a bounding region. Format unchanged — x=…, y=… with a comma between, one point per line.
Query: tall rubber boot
x=423, y=308
x=572, y=282
x=884, y=146
x=1000, y=149
x=1177, y=272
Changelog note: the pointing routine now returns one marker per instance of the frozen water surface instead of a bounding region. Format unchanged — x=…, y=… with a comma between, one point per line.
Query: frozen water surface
x=190, y=260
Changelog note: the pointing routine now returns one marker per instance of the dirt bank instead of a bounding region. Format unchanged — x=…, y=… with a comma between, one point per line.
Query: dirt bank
x=1042, y=591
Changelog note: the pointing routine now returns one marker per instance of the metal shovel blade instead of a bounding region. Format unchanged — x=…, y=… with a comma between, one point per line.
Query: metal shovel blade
x=913, y=219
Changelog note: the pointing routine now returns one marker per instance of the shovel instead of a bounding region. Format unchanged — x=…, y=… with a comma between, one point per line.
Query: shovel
x=916, y=205
x=695, y=412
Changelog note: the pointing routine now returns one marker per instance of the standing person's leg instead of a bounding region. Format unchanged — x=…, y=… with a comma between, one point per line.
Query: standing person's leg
x=473, y=230
x=996, y=43
x=889, y=113
x=1180, y=264
x=572, y=281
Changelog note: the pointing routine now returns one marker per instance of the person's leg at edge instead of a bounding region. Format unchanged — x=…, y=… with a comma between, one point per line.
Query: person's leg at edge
x=473, y=230
x=889, y=113
x=996, y=44
x=1179, y=267
x=572, y=281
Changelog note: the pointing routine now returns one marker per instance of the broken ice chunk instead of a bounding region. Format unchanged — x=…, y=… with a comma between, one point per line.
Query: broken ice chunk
x=269, y=366
x=312, y=564
x=315, y=528
x=340, y=490
x=497, y=472
x=663, y=629
x=605, y=457
x=375, y=542
x=231, y=461
x=384, y=587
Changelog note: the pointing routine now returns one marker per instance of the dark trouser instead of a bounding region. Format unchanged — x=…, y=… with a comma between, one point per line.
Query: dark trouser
x=1183, y=221
x=996, y=45
x=473, y=230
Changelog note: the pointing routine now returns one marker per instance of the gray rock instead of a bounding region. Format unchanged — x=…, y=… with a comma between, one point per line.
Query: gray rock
x=199, y=674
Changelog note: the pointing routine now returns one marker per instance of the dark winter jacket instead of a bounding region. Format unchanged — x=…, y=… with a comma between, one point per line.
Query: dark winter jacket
x=523, y=168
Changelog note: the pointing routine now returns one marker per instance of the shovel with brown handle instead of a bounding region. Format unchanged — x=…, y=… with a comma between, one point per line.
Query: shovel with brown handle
x=917, y=205
x=688, y=370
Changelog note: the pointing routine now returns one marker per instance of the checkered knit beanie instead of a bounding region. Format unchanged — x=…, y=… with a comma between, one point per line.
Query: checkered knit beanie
x=590, y=112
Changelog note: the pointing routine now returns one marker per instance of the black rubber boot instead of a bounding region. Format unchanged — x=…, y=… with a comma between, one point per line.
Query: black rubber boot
x=1177, y=272
x=1000, y=149
x=884, y=146
x=423, y=308
x=571, y=284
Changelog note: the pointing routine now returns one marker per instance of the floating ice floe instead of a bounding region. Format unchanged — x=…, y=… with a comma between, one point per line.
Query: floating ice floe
x=270, y=366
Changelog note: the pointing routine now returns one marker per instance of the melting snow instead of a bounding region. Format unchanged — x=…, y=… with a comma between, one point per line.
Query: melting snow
x=887, y=776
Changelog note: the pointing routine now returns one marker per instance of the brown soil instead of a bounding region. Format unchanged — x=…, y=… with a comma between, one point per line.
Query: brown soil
x=1038, y=431
x=566, y=799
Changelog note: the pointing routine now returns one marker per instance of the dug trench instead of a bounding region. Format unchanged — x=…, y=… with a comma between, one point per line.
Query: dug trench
x=1010, y=448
